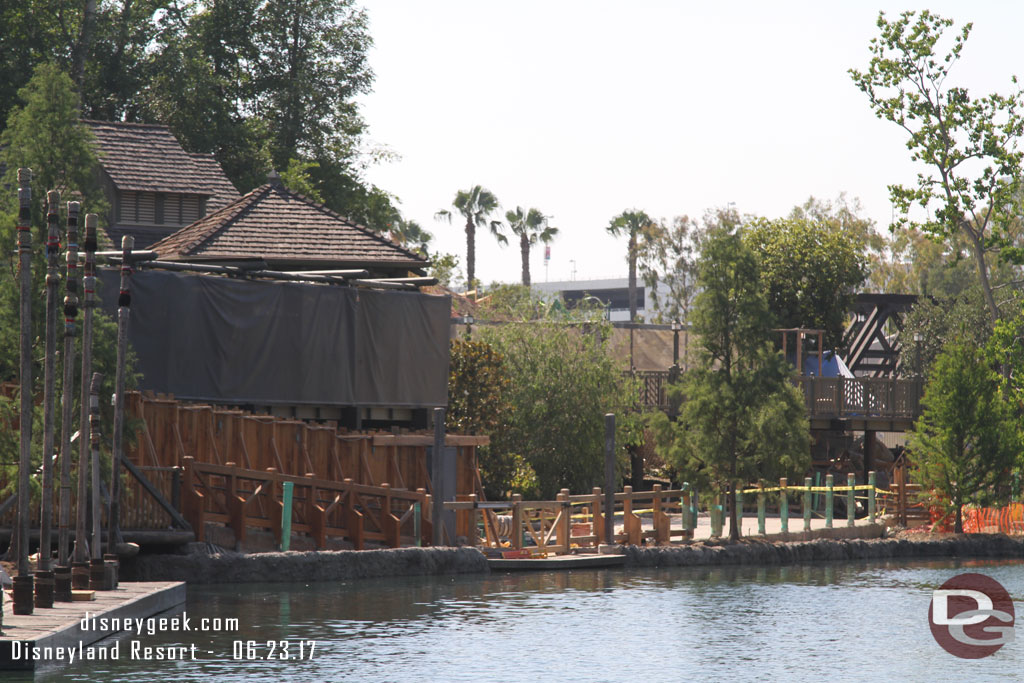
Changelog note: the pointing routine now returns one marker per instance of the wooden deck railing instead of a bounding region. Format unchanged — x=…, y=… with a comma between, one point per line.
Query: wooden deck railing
x=241, y=499
x=824, y=397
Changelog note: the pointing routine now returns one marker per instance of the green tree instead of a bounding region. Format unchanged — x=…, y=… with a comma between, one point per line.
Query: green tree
x=965, y=441
x=475, y=205
x=563, y=379
x=411, y=235
x=445, y=267
x=810, y=273
x=635, y=225
x=969, y=147
x=530, y=226
x=742, y=418
x=668, y=258
x=934, y=323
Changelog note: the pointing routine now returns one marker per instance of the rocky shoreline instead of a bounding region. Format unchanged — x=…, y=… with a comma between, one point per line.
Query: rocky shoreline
x=208, y=566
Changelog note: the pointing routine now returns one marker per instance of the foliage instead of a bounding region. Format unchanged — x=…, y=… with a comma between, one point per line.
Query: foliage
x=809, y=272
x=478, y=391
x=411, y=235
x=933, y=323
x=965, y=441
x=968, y=146
x=563, y=379
x=296, y=177
x=445, y=267
x=741, y=419
x=530, y=226
x=475, y=205
x=635, y=225
x=258, y=83
x=668, y=258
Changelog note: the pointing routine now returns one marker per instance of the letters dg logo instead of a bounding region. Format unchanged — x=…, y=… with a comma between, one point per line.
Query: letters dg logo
x=971, y=616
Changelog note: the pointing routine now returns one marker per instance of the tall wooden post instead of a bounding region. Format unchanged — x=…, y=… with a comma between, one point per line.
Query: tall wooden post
x=23, y=594
x=124, y=303
x=84, y=440
x=437, y=477
x=94, y=443
x=871, y=498
x=609, y=478
x=784, y=504
x=49, y=380
x=63, y=578
x=807, y=504
x=851, y=501
x=828, y=500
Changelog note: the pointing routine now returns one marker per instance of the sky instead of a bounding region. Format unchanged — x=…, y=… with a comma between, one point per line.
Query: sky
x=584, y=109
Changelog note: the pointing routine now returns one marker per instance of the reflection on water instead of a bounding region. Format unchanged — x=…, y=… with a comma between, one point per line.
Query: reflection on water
x=853, y=620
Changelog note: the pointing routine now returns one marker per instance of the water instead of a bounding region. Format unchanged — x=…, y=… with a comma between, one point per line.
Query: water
x=847, y=621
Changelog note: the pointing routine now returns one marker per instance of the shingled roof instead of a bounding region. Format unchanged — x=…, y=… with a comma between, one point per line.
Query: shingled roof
x=287, y=230
x=145, y=157
x=211, y=176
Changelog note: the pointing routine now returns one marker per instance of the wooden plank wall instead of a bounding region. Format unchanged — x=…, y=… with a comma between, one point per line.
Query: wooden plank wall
x=168, y=430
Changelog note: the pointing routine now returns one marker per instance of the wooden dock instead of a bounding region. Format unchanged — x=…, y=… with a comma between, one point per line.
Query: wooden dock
x=61, y=626
x=555, y=562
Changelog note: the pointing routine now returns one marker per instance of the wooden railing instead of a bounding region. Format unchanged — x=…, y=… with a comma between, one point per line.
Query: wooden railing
x=242, y=499
x=558, y=526
x=824, y=397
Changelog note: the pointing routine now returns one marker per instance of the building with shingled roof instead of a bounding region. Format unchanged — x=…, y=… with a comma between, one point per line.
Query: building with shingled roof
x=154, y=187
x=287, y=231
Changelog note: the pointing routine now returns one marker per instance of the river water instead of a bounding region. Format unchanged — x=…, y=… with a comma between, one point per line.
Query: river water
x=859, y=620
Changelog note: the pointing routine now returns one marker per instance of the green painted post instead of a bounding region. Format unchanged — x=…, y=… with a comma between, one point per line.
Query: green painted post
x=716, y=517
x=784, y=505
x=816, y=497
x=695, y=508
x=807, y=504
x=871, y=498
x=828, y=501
x=286, y=516
x=739, y=509
x=686, y=506
x=851, y=502
x=416, y=511
x=760, y=511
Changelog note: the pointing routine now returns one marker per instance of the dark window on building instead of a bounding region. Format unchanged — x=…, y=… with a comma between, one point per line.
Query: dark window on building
x=159, y=212
x=616, y=299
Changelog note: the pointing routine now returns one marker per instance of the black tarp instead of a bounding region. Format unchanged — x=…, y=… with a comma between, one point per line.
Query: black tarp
x=208, y=338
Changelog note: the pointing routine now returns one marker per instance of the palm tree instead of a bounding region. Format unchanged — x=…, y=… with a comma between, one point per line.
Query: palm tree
x=531, y=226
x=631, y=223
x=411, y=235
x=475, y=205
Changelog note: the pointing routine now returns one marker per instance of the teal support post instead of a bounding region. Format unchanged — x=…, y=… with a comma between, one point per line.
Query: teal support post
x=694, y=507
x=416, y=529
x=807, y=504
x=739, y=509
x=816, y=497
x=784, y=505
x=716, y=517
x=686, y=508
x=760, y=512
x=851, y=501
x=828, y=501
x=286, y=516
x=871, y=498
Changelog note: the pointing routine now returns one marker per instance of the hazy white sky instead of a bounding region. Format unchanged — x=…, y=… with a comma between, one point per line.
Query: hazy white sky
x=586, y=108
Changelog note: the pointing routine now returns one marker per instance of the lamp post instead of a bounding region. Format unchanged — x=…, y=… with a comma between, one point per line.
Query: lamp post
x=469, y=320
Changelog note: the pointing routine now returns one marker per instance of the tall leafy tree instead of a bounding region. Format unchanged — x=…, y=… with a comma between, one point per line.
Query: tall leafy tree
x=475, y=205
x=810, y=273
x=965, y=441
x=742, y=419
x=530, y=226
x=969, y=147
x=633, y=224
x=669, y=258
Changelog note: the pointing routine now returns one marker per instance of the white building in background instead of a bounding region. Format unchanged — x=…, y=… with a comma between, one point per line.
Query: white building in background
x=613, y=293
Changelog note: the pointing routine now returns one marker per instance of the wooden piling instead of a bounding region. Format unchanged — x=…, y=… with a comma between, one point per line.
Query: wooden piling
x=94, y=442
x=124, y=303
x=807, y=504
x=828, y=501
x=436, y=477
x=81, y=553
x=24, y=604
x=851, y=509
x=287, y=494
x=760, y=510
x=609, y=478
x=49, y=379
x=687, y=520
x=871, y=498
x=67, y=400
x=784, y=505
x=739, y=509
